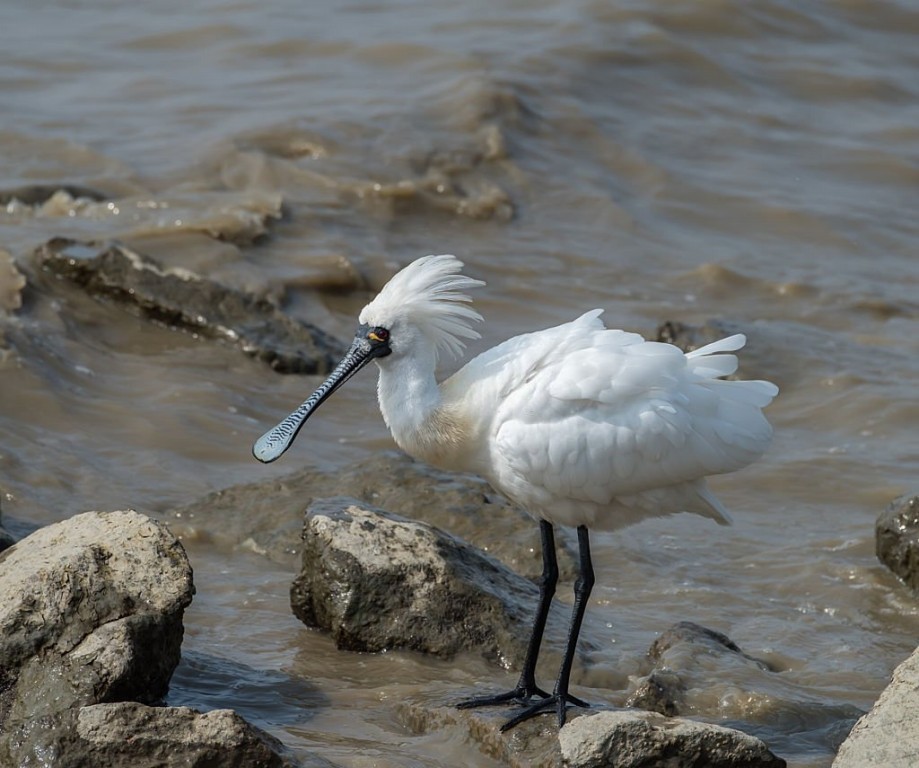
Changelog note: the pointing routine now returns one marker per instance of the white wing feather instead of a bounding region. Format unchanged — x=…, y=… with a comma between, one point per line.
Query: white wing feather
x=603, y=425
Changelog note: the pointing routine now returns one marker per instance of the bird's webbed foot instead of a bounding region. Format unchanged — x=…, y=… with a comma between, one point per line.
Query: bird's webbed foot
x=557, y=702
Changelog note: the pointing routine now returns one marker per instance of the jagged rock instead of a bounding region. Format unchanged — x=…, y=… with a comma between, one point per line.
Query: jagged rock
x=377, y=581
x=132, y=735
x=674, y=655
x=90, y=611
x=185, y=300
x=897, y=539
x=391, y=480
x=888, y=736
x=631, y=739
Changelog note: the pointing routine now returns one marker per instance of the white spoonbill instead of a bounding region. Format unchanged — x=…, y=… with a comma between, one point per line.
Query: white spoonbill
x=579, y=425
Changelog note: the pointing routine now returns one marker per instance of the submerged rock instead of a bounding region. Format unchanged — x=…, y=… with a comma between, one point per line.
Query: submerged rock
x=90, y=611
x=132, y=735
x=37, y=194
x=267, y=517
x=378, y=581
x=185, y=300
x=675, y=655
x=888, y=736
x=897, y=539
x=621, y=738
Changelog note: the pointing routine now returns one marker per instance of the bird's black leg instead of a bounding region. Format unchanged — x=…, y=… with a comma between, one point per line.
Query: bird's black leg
x=560, y=697
x=526, y=687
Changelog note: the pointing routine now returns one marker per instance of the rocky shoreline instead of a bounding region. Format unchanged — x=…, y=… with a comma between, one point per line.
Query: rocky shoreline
x=91, y=630
x=91, y=608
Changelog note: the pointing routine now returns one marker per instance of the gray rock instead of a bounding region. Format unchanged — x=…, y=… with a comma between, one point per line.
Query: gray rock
x=378, y=581
x=132, y=735
x=675, y=655
x=184, y=300
x=897, y=539
x=621, y=738
x=888, y=736
x=267, y=517
x=630, y=739
x=90, y=611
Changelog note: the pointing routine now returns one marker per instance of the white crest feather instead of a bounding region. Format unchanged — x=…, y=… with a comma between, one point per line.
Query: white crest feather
x=428, y=293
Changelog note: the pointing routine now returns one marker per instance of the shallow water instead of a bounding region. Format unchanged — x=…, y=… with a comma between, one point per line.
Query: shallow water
x=754, y=163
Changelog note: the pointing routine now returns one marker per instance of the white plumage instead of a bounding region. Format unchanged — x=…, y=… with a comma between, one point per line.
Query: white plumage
x=578, y=424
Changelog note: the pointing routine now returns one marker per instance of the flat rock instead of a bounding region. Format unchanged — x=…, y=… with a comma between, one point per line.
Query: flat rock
x=132, y=735
x=631, y=739
x=897, y=539
x=379, y=581
x=182, y=299
x=90, y=610
x=888, y=736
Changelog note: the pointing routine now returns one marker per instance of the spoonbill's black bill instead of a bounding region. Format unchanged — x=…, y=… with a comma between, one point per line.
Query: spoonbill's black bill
x=579, y=425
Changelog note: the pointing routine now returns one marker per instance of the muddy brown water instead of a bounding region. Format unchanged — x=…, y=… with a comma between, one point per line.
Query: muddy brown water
x=750, y=162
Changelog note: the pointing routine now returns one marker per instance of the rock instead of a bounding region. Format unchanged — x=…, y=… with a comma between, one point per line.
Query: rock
x=36, y=194
x=621, y=738
x=132, y=735
x=888, y=736
x=532, y=744
x=6, y=539
x=897, y=539
x=90, y=611
x=675, y=655
x=630, y=739
x=272, y=520
x=183, y=299
x=378, y=581
x=11, y=284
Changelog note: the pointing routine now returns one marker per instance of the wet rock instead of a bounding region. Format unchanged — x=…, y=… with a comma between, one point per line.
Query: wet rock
x=621, y=738
x=378, y=581
x=888, y=736
x=37, y=194
x=268, y=517
x=677, y=656
x=897, y=539
x=12, y=282
x=132, y=735
x=90, y=611
x=639, y=739
x=184, y=300
x=6, y=538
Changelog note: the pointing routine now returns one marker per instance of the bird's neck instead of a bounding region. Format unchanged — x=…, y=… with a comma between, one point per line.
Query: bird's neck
x=414, y=410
